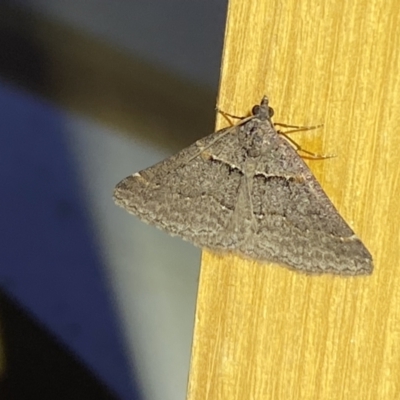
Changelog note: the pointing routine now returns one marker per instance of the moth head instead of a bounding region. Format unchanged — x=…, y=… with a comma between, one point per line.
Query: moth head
x=263, y=111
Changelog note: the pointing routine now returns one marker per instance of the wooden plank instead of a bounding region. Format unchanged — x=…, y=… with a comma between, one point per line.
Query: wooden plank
x=262, y=331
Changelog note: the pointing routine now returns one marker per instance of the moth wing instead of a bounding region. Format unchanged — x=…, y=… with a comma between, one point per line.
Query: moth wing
x=188, y=194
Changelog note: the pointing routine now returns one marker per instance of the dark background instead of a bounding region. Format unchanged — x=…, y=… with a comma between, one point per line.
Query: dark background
x=93, y=303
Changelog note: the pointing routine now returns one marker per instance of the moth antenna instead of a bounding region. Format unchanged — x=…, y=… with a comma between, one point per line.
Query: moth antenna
x=219, y=137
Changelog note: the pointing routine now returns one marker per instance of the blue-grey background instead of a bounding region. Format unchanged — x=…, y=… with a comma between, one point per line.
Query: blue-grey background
x=118, y=293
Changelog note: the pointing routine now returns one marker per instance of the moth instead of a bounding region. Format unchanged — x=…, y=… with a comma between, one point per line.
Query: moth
x=246, y=190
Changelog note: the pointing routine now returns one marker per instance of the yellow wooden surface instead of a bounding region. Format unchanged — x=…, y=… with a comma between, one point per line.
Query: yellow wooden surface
x=262, y=331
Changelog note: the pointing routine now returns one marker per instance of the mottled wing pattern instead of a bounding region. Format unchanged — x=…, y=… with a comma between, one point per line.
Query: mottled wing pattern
x=191, y=199
x=268, y=206
x=297, y=223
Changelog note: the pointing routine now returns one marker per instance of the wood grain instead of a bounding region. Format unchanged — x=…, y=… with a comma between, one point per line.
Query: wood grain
x=262, y=331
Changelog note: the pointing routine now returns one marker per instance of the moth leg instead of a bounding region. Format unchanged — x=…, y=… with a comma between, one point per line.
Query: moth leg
x=227, y=115
x=298, y=128
x=310, y=155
